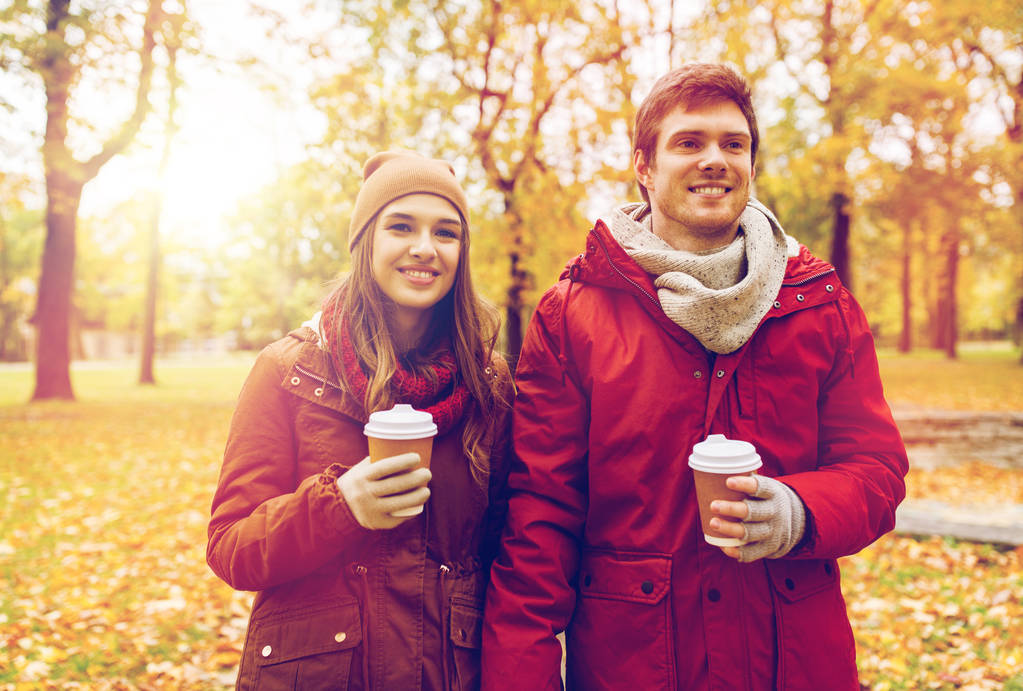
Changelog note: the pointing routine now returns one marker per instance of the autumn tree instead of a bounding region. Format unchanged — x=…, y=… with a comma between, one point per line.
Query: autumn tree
x=828, y=57
x=176, y=22
x=936, y=83
x=522, y=95
x=20, y=242
x=287, y=245
x=74, y=51
x=989, y=36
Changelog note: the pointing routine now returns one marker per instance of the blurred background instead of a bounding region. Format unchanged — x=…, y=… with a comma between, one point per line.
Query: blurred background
x=176, y=178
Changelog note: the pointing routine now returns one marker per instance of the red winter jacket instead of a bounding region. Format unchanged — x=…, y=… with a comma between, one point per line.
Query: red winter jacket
x=603, y=539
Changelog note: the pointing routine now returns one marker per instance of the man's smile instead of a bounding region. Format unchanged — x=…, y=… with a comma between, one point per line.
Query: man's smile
x=704, y=189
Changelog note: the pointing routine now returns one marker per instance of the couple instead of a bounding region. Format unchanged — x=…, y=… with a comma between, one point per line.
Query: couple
x=689, y=314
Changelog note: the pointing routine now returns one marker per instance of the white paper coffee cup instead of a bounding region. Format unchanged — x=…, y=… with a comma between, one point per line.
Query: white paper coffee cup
x=713, y=461
x=401, y=429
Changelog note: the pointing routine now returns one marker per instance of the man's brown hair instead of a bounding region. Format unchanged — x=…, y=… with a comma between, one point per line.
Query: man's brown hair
x=693, y=85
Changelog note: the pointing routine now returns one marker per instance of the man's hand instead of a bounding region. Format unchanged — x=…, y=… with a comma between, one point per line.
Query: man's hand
x=373, y=491
x=772, y=519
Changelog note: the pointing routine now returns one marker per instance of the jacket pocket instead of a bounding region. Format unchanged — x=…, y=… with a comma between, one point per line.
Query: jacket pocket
x=815, y=641
x=620, y=635
x=307, y=649
x=466, y=626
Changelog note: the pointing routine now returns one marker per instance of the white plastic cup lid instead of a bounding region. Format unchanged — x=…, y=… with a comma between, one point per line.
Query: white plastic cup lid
x=719, y=454
x=400, y=422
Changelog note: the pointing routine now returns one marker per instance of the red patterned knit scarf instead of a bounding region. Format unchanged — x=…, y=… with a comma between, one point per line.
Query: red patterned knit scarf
x=445, y=399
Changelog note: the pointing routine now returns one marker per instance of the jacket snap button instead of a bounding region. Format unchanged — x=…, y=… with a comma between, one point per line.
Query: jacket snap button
x=340, y=637
x=461, y=634
x=647, y=587
x=790, y=584
x=800, y=298
x=830, y=288
x=587, y=579
x=295, y=381
x=713, y=594
x=266, y=651
x=720, y=373
x=318, y=391
x=777, y=305
x=698, y=374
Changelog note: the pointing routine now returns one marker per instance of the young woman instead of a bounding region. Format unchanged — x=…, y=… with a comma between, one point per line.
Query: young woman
x=349, y=596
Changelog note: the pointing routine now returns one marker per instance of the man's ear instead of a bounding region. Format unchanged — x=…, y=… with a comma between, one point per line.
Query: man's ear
x=642, y=168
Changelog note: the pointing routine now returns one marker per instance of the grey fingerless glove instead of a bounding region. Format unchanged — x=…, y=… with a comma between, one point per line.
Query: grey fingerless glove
x=776, y=521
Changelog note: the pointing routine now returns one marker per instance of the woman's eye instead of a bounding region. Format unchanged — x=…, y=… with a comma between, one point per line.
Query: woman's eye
x=447, y=233
x=400, y=227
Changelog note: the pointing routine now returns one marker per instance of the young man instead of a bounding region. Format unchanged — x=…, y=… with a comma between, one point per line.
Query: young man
x=688, y=315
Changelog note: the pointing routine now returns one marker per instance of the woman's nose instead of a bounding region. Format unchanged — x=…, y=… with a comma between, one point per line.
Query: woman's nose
x=422, y=245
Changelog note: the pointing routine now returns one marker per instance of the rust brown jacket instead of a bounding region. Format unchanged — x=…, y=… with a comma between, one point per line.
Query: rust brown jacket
x=325, y=585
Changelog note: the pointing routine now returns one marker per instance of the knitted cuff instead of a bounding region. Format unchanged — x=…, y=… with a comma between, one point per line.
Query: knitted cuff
x=776, y=521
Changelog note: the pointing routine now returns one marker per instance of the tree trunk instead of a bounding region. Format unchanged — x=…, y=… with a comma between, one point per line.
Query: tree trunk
x=1019, y=304
x=514, y=303
x=948, y=332
x=906, y=337
x=146, y=375
x=53, y=306
x=840, y=238
x=513, y=334
x=65, y=177
x=7, y=312
x=1019, y=327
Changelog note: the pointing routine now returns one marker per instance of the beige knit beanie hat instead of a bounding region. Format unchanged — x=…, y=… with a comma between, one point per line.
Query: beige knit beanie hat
x=392, y=174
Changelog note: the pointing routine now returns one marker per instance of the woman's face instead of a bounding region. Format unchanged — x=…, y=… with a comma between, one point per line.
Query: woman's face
x=417, y=241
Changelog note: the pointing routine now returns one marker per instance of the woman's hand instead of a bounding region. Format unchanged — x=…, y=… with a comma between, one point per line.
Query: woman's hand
x=374, y=490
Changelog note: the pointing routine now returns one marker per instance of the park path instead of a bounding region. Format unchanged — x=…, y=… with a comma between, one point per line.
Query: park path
x=938, y=438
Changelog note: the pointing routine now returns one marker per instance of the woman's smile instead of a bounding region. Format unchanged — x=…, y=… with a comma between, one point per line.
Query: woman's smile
x=419, y=275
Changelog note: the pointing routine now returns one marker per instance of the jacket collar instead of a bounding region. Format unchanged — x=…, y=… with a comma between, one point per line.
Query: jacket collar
x=312, y=377
x=606, y=264
x=808, y=281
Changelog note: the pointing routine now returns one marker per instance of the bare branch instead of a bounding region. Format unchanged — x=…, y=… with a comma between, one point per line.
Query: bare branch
x=1013, y=125
x=120, y=140
x=539, y=113
x=781, y=50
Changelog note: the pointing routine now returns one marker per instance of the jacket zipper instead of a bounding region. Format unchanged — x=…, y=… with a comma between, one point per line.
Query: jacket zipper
x=317, y=378
x=618, y=271
x=806, y=280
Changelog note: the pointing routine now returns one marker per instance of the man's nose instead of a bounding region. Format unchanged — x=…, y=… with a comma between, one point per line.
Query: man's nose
x=713, y=158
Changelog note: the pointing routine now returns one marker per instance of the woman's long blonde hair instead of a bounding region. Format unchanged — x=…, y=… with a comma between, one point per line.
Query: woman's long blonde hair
x=461, y=317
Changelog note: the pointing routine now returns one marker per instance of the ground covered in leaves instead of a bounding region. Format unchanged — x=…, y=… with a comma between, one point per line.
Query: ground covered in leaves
x=104, y=503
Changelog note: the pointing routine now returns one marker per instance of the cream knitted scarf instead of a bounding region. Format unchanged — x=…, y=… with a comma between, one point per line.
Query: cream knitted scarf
x=719, y=296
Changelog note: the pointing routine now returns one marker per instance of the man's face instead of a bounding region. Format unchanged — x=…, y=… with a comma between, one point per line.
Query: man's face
x=699, y=180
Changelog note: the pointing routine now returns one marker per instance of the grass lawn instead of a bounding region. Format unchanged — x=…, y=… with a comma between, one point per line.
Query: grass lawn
x=984, y=379
x=104, y=503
